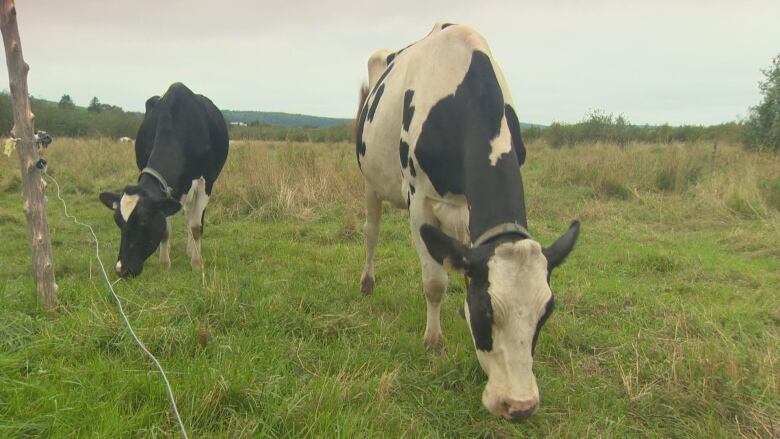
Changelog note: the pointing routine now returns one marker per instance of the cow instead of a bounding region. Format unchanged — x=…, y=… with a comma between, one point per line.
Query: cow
x=125, y=139
x=437, y=134
x=180, y=149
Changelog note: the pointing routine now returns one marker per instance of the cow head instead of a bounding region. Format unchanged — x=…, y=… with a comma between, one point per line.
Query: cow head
x=507, y=302
x=141, y=218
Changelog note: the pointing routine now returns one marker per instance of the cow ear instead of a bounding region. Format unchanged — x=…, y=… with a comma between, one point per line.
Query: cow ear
x=110, y=199
x=445, y=249
x=561, y=248
x=151, y=102
x=167, y=205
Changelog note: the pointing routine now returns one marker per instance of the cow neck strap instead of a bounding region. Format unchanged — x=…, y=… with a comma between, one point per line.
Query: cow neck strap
x=502, y=229
x=160, y=179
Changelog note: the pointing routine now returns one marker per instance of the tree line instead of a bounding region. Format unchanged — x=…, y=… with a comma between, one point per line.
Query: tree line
x=599, y=126
x=761, y=130
x=65, y=119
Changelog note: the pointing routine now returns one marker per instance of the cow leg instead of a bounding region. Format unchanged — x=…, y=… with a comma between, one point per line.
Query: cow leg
x=371, y=231
x=434, y=276
x=195, y=206
x=165, y=246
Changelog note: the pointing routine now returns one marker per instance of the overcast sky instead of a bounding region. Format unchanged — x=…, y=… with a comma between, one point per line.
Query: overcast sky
x=681, y=62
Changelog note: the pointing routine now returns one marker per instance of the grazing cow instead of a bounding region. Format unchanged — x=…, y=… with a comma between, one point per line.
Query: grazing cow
x=125, y=140
x=438, y=134
x=180, y=149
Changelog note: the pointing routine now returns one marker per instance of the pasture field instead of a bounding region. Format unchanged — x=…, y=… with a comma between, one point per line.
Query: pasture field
x=667, y=321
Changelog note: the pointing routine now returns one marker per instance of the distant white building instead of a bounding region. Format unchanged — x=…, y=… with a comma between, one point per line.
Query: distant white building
x=238, y=124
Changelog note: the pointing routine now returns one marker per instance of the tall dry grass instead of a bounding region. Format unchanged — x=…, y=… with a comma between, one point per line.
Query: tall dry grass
x=729, y=182
x=278, y=180
x=271, y=180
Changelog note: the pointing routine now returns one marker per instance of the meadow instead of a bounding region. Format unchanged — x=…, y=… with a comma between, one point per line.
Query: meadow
x=667, y=321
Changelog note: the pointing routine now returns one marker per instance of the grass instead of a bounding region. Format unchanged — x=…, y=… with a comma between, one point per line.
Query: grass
x=666, y=322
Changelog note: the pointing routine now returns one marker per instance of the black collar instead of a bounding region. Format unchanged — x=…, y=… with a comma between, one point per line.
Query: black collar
x=501, y=230
x=167, y=190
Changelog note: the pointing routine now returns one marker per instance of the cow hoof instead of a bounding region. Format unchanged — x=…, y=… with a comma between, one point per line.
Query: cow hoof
x=435, y=344
x=197, y=264
x=166, y=264
x=367, y=285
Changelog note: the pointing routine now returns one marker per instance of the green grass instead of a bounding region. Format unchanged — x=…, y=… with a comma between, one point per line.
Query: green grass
x=666, y=322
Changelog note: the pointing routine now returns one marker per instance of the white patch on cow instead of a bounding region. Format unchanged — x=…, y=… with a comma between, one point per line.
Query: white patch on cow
x=118, y=266
x=519, y=293
x=501, y=144
x=194, y=202
x=127, y=204
x=193, y=205
x=453, y=216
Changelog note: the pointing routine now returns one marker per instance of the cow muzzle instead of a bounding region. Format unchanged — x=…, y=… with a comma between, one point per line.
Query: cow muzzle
x=123, y=271
x=511, y=409
x=518, y=410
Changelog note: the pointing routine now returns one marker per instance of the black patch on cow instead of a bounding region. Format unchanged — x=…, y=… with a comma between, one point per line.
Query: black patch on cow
x=477, y=298
x=446, y=25
x=454, y=148
x=408, y=109
x=390, y=58
x=411, y=167
x=411, y=188
x=360, y=145
x=375, y=102
x=361, y=149
x=408, y=199
x=514, y=131
x=381, y=79
x=548, y=309
x=481, y=319
x=376, y=94
x=403, y=152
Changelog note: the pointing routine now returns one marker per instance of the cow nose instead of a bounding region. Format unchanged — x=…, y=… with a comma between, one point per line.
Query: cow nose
x=518, y=410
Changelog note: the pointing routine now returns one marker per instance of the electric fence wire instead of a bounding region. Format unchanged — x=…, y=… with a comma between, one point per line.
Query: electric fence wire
x=121, y=309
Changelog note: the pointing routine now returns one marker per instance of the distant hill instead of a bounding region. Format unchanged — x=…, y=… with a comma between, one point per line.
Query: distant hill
x=300, y=120
x=283, y=119
x=111, y=121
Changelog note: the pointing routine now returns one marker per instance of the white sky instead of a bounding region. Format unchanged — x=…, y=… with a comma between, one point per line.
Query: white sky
x=695, y=62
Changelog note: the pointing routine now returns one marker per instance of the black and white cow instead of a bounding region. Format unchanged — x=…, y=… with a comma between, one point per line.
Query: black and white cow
x=438, y=134
x=180, y=149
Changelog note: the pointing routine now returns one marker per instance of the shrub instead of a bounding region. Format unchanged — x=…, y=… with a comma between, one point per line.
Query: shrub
x=762, y=129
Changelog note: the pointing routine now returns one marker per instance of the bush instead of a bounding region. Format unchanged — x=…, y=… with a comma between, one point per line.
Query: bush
x=63, y=119
x=601, y=127
x=762, y=129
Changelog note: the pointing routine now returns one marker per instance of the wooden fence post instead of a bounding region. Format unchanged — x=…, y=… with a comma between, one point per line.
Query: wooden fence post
x=32, y=183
